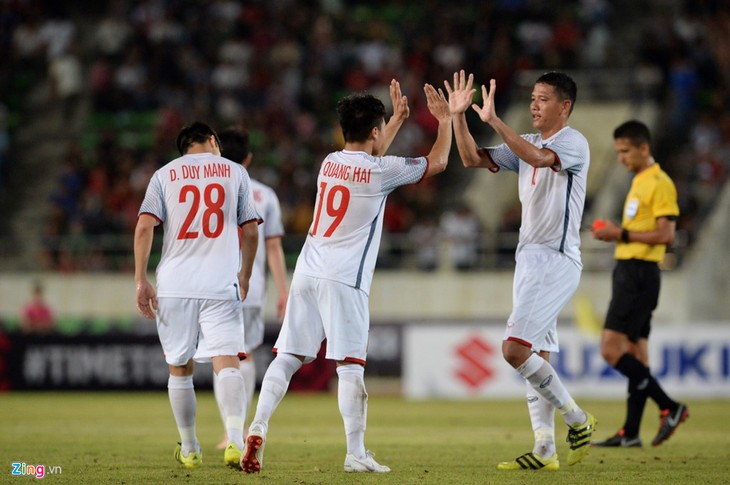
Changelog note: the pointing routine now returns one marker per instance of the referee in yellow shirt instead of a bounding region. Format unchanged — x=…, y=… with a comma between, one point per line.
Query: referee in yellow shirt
x=647, y=227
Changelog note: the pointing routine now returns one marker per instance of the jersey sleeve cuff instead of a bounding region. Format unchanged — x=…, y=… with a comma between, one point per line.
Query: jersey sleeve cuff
x=159, y=221
x=486, y=157
x=558, y=165
x=257, y=221
x=423, y=176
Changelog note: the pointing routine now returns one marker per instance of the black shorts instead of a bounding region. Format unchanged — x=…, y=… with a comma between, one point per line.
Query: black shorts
x=635, y=296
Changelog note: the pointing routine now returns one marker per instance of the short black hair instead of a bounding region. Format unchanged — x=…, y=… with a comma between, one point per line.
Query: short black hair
x=635, y=131
x=563, y=84
x=195, y=132
x=234, y=144
x=359, y=114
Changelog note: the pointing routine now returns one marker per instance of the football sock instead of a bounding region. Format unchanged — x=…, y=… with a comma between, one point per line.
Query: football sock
x=353, y=402
x=545, y=381
x=635, y=404
x=232, y=401
x=542, y=416
x=276, y=382
x=217, y=395
x=248, y=372
x=638, y=373
x=182, y=400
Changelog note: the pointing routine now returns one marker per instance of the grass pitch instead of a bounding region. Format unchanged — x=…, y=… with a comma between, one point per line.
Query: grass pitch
x=128, y=438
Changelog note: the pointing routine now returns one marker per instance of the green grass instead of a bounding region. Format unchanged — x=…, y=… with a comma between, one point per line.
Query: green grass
x=128, y=438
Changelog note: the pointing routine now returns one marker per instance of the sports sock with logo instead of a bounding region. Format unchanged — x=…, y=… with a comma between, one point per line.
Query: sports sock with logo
x=542, y=417
x=232, y=402
x=182, y=400
x=352, y=399
x=546, y=382
x=638, y=373
x=276, y=382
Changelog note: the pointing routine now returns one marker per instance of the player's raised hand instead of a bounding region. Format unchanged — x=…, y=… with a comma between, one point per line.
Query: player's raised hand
x=437, y=104
x=461, y=93
x=487, y=112
x=401, y=111
x=146, y=299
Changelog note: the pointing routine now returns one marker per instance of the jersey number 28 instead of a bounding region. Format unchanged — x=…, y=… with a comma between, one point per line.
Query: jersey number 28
x=213, y=205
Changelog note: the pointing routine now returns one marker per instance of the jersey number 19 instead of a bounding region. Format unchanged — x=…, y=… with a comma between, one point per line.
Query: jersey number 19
x=336, y=200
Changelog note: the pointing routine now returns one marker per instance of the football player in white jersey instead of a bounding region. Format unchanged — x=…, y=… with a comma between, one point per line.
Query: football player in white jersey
x=552, y=167
x=329, y=291
x=201, y=199
x=235, y=146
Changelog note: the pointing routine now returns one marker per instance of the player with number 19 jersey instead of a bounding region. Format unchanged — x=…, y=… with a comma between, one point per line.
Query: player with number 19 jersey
x=344, y=238
x=201, y=255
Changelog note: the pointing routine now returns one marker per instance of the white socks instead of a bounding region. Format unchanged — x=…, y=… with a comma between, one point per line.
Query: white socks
x=353, y=401
x=274, y=386
x=544, y=380
x=182, y=399
x=542, y=416
x=232, y=403
x=247, y=369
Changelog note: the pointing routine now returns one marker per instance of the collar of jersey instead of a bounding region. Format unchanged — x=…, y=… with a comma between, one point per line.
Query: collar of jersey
x=648, y=171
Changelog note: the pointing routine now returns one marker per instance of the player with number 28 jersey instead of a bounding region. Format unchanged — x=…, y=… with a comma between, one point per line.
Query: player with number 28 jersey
x=187, y=195
x=201, y=199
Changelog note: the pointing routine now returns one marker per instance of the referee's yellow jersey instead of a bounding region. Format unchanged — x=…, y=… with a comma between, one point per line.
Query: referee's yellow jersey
x=652, y=195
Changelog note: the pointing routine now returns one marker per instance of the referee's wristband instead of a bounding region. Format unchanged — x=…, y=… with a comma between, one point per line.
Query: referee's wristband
x=625, y=236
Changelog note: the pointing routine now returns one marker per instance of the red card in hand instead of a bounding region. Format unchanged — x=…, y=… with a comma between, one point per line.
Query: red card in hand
x=599, y=224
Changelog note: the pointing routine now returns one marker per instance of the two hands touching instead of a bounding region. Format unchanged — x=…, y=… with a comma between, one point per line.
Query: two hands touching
x=460, y=96
x=462, y=93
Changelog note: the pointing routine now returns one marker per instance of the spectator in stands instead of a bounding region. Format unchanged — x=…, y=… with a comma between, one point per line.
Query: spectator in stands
x=461, y=230
x=150, y=55
x=67, y=79
x=4, y=143
x=424, y=241
x=37, y=316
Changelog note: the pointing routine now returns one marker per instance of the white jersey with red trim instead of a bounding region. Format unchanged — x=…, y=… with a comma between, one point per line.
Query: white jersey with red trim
x=344, y=238
x=268, y=207
x=552, y=198
x=200, y=199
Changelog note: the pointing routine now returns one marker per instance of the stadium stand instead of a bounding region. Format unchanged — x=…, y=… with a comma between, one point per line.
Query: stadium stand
x=78, y=159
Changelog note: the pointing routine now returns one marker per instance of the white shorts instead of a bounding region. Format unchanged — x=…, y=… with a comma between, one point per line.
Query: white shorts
x=253, y=330
x=181, y=322
x=317, y=309
x=544, y=283
x=253, y=324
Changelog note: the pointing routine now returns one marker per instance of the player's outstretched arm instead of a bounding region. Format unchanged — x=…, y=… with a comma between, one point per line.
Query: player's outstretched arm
x=249, y=245
x=401, y=112
x=460, y=98
x=528, y=152
x=146, y=298
x=438, y=157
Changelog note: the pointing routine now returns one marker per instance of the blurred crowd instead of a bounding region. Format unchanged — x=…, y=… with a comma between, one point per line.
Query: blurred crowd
x=277, y=67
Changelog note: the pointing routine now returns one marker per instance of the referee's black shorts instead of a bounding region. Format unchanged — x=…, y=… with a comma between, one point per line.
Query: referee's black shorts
x=635, y=296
